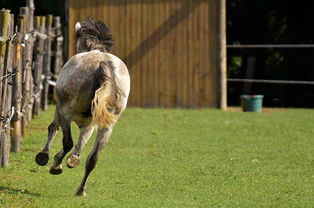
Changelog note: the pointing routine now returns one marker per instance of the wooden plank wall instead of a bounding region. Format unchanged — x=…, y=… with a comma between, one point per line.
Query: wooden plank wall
x=169, y=46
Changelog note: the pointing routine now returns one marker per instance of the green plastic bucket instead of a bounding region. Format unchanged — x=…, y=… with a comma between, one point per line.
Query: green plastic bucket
x=252, y=103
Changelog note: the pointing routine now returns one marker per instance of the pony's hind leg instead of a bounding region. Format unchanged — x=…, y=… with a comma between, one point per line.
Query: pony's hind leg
x=42, y=157
x=101, y=140
x=67, y=142
x=74, y=159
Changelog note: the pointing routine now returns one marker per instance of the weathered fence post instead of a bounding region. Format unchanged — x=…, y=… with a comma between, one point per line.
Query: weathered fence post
x=30, y=18
x=57, y=48
x=5, y=74
x=27, y=67
x=4, y=20
x=58, y=44
x=30, y=65
x=17, y=87
x=47, y=63
x=38, y=67
x=222, y=62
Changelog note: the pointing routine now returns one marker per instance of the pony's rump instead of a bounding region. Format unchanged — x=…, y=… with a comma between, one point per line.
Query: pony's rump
x=104, y=105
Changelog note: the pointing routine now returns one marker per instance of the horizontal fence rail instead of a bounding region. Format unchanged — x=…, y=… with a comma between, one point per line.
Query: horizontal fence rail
x=271, y=81
x=271, y=46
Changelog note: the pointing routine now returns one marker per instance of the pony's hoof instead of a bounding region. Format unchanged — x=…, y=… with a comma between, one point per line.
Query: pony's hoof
x=56, y=171
x=42, y=158
x=80, y=193
x=73, y=161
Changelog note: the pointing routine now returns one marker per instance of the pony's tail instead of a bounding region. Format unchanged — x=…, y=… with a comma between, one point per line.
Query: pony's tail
x=104, y=105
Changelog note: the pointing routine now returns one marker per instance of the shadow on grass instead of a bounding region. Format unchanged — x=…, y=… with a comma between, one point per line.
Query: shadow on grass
x=17, y=191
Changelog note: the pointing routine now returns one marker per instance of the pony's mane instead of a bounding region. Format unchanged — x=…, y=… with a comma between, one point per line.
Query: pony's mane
x=95, y=35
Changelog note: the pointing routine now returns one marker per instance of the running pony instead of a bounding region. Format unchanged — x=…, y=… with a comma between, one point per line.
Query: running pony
x=92, y=90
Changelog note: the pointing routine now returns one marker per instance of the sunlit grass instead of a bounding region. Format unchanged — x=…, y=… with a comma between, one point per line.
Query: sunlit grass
x=176, y=158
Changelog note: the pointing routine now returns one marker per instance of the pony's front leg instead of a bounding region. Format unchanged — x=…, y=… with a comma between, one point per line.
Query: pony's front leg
x=101, y=140
x=67, y=142
x=42, y=157
x=74, y=159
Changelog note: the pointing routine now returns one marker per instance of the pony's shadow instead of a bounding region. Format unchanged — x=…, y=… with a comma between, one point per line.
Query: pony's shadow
x=13, y=191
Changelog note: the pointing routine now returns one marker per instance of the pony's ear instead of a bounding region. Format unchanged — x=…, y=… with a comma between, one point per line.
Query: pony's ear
x=78, y=26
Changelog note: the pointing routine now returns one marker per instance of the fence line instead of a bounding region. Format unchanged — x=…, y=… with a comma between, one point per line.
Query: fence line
x=260, y=46
x=26, y=64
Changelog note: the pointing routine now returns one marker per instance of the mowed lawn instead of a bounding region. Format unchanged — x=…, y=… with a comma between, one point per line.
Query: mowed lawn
x=176, y=158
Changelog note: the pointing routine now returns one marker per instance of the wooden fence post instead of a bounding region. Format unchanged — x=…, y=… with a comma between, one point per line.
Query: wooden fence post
x=58, y=46
x=17, y=87
x=47, y=63
x=27, y=66
x=38, y=67
x=29, y=62
x=5, y=103
x=222, y=54
x=30, y=18
x=57, y=49
x=4, y=20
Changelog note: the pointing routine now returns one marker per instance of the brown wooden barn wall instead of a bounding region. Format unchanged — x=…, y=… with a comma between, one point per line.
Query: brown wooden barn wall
x=169, y=46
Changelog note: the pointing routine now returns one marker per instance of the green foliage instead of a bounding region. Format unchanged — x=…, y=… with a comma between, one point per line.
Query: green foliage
x=176, y=158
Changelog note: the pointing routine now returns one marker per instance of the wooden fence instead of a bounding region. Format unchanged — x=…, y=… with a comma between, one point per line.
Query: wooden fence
x=26, y=65
x=174, y=49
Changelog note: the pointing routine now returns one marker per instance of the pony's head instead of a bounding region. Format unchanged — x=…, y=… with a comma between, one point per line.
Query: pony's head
x=92, y=35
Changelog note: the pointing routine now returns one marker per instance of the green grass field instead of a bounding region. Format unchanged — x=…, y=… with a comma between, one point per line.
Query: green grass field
x=176, y=158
